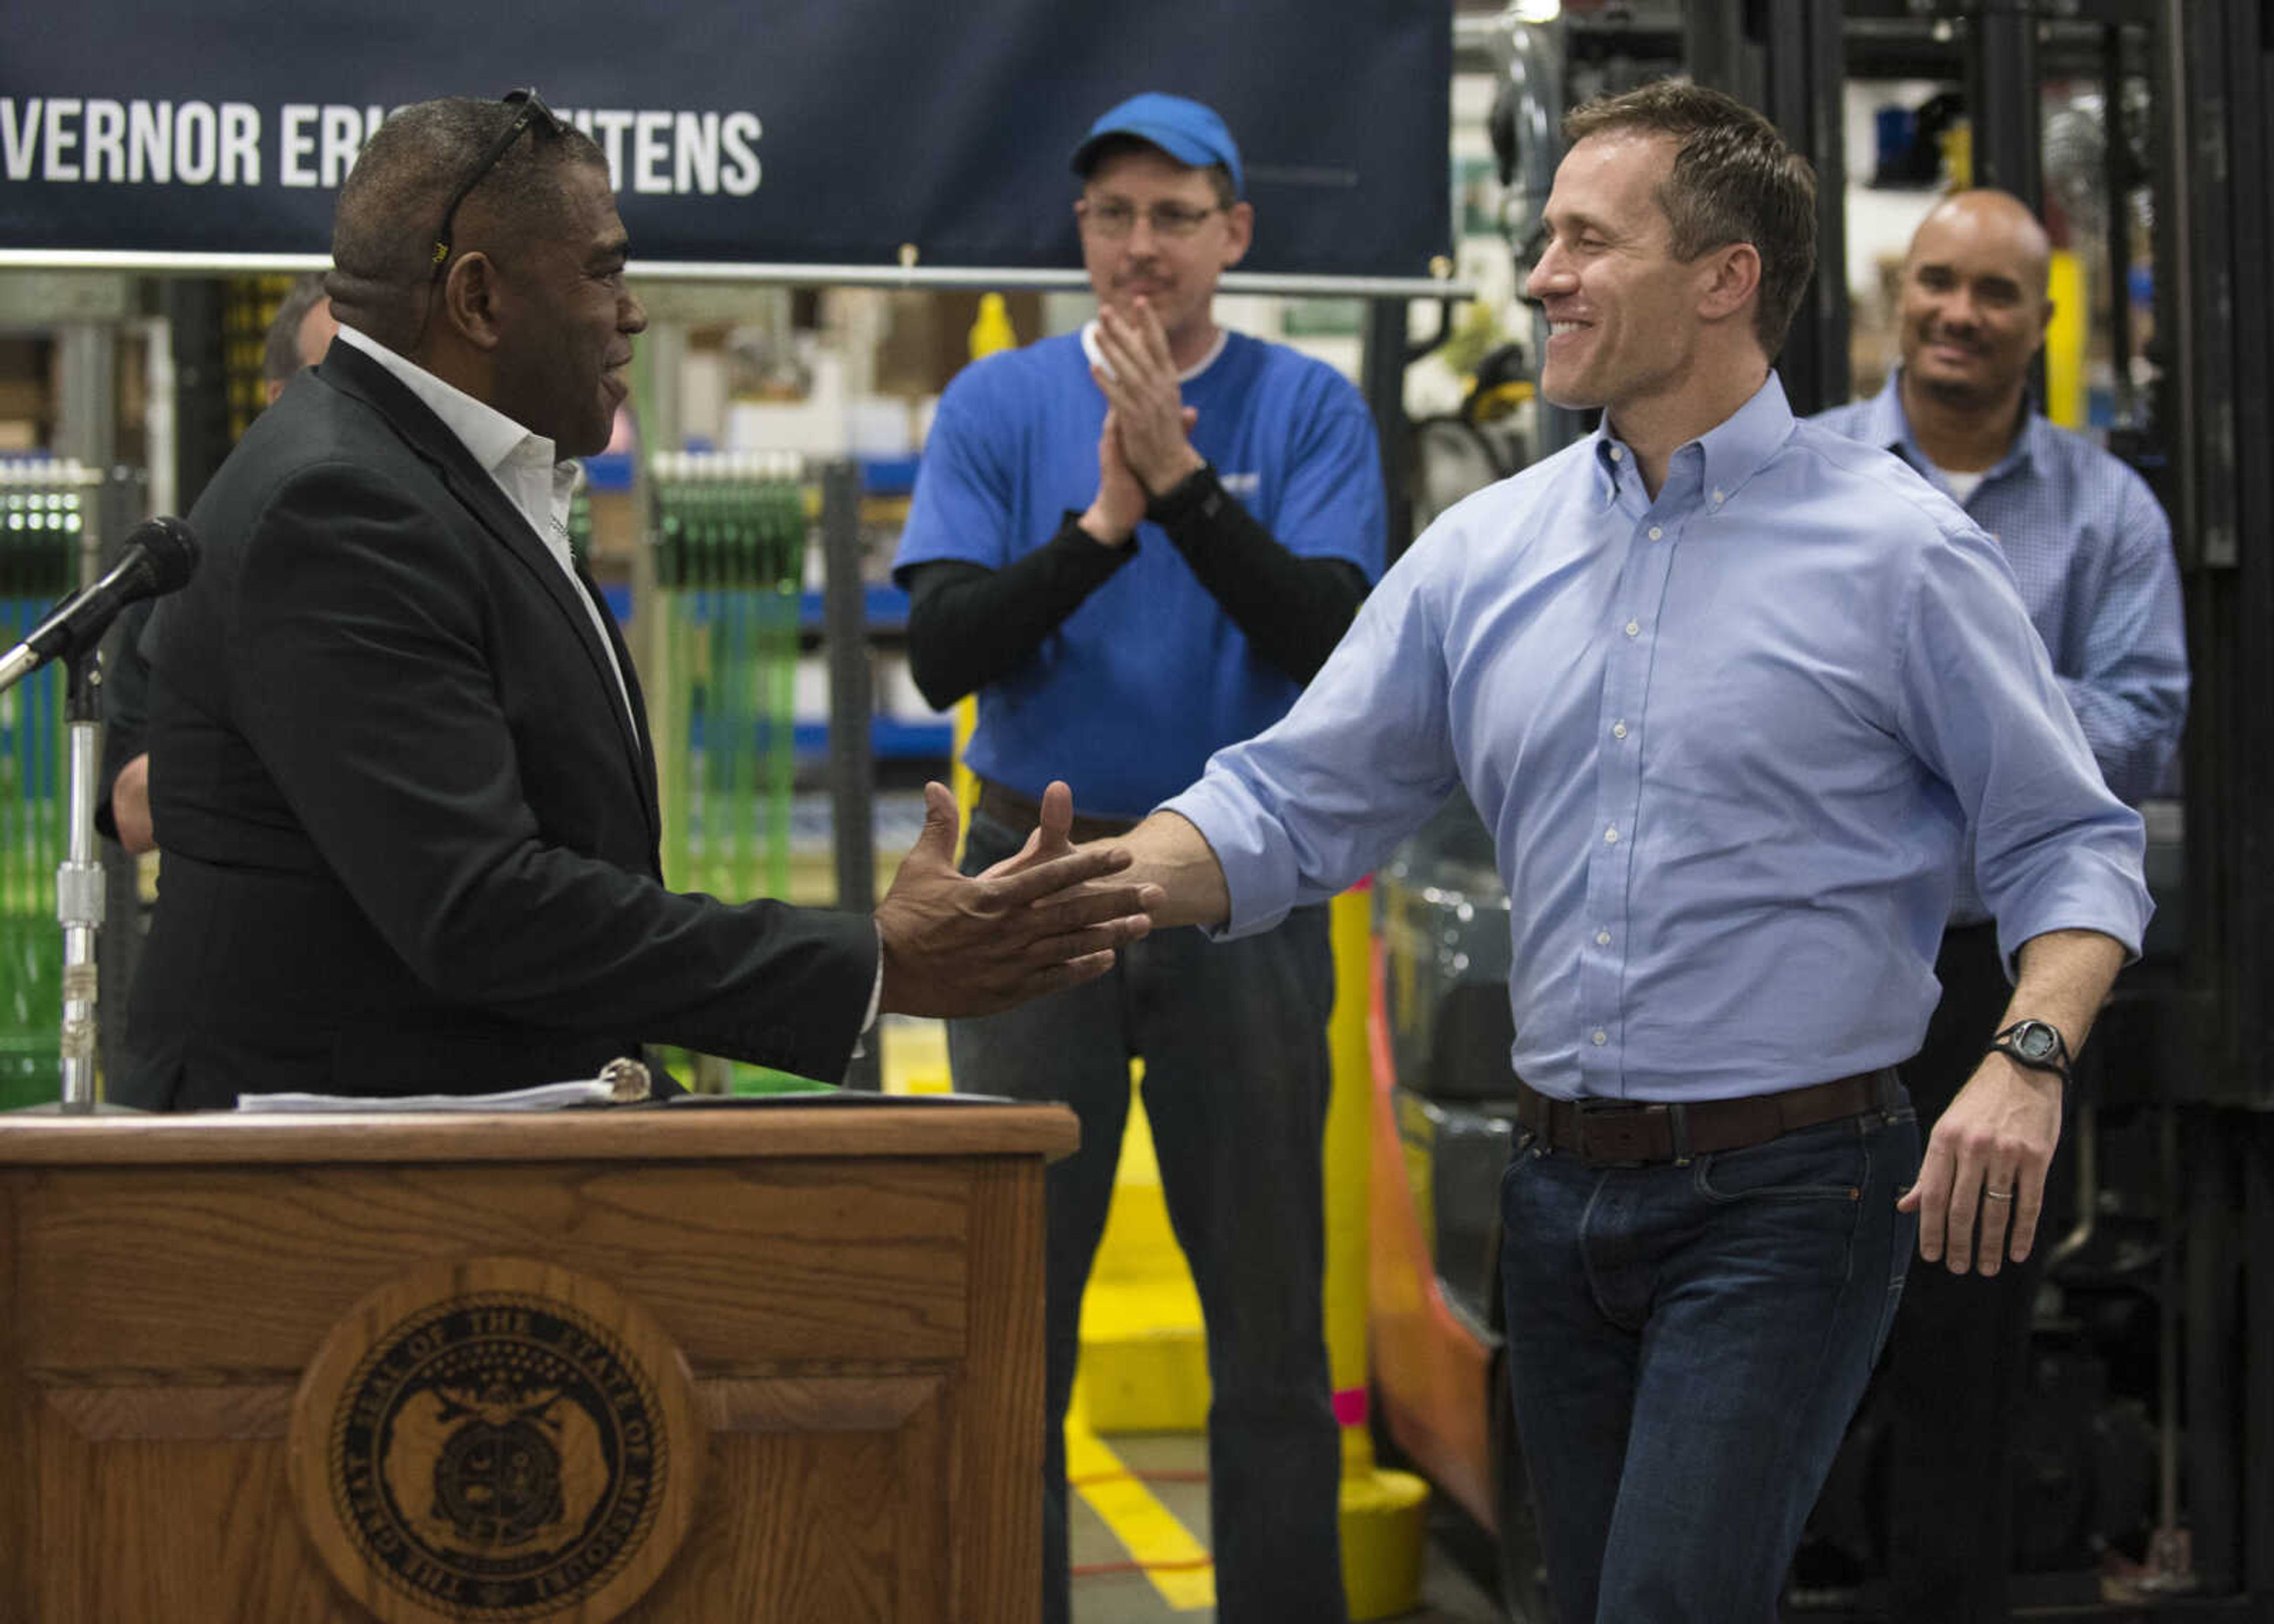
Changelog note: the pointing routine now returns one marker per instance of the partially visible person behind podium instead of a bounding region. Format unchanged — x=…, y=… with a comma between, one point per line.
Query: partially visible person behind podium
x=298, y=336
x=400, y=764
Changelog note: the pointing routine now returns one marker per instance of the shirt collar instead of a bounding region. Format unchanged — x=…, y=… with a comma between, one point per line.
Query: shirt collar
x=1215, y=351
x=1223, y=338
x=492, y=438
x=1886, y=424
x=2031, y=445
x=1727, y=454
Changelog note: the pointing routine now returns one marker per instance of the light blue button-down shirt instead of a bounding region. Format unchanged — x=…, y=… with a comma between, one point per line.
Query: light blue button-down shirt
x=1727, y=743
x=2091, y=552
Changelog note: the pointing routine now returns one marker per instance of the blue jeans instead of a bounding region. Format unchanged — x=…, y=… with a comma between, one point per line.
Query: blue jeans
x=1233, y=1037
x=1686, y=1345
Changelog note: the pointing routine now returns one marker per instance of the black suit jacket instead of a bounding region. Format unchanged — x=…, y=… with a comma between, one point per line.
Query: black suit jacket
x=411, y=834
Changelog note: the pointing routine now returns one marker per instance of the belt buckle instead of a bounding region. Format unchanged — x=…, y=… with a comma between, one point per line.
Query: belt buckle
x=1616, y=1134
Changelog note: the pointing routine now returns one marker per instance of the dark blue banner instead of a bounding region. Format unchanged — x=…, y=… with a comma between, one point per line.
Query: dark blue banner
x=739, y=131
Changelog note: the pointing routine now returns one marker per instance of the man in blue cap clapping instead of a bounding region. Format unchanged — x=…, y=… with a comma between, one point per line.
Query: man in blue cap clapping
x=1136, y=544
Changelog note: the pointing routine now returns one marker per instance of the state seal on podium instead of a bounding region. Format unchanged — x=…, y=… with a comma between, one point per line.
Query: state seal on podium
x=496, y=1439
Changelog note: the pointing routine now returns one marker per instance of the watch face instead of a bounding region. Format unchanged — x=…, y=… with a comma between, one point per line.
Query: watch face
x=2035, y=1039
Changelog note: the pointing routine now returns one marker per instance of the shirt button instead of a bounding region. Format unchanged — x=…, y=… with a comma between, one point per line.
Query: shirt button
x=1603, y=938
x=1618, y=730
x=1656, y=534
x=1601, y=1037
x=1717, y=497
x=1617, y=453
x=1611, y=835
x=1633, y=627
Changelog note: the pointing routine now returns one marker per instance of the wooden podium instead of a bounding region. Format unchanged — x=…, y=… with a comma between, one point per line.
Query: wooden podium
x=686, y=1364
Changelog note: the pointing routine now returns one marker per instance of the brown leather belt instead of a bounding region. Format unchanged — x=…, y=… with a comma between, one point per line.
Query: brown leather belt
x=1637, y=1133
x=1009, y=808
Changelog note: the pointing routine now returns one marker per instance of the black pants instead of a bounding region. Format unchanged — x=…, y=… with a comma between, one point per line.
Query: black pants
x=1951, y=1379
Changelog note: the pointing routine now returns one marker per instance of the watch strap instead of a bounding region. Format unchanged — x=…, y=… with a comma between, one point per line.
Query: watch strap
x=2059, y=1062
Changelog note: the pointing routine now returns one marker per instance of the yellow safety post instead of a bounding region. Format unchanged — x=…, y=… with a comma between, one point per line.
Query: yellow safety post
x=1383, y=1513
x=1144, y=1367
x=1958, y=156
x=2065, y=340
x=991, y=331
x=1144, y=1364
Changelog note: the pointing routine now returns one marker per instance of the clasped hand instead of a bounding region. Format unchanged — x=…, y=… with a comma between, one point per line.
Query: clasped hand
x=1145, y=449
x=955, y=945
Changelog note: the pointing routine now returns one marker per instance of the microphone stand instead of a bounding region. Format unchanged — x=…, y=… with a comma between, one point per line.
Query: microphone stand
x=80, y=882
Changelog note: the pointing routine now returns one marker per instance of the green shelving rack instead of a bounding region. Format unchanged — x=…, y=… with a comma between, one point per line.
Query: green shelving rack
x=730, y=546
x=42, y=518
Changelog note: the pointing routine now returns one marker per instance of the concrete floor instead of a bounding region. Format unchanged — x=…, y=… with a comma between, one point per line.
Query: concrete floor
x=1109, y=1589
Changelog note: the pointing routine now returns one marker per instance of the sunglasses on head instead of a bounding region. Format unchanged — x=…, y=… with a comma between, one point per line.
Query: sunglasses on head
x=532, y=110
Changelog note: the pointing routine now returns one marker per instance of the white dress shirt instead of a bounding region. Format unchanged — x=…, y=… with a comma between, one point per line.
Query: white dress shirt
x=533, y=478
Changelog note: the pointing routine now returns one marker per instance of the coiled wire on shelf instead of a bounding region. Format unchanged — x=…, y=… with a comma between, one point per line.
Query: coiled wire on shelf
x=730, y=536
x=44, y=507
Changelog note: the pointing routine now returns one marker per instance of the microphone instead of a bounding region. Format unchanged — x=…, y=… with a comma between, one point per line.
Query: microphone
x=157, y=556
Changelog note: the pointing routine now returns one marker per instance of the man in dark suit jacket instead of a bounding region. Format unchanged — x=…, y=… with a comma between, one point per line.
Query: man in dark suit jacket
x=401, y=770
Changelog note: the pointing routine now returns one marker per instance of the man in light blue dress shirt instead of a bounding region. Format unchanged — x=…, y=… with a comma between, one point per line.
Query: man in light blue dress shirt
x=2091, y=552
x=1728, y=690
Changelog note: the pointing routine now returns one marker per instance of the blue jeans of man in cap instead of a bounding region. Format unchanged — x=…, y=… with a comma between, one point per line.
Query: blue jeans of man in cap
x=1685, y=1346
x=1233, y=1036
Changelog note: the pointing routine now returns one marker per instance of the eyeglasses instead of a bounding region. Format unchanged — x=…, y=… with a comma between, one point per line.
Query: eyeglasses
x=533, y=111
x=1114, y=218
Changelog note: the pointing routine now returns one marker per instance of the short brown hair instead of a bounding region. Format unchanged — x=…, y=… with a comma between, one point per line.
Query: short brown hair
x=280, y=350
x=1735, y=180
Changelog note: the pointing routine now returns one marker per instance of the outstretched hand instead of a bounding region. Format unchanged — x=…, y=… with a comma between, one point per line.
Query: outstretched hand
x=1032, y=924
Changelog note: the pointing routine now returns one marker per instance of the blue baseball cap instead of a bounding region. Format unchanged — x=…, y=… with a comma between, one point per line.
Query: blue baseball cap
x=1184, y=129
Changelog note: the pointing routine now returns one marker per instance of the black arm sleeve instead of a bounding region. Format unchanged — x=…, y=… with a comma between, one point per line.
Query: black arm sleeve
x=1294, y=610
x=969, y=624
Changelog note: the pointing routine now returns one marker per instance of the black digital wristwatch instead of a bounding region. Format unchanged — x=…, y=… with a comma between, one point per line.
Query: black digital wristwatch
x=2037, y=1044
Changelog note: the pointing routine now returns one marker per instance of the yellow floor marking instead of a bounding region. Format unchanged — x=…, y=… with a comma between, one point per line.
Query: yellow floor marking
x=1178, y=1564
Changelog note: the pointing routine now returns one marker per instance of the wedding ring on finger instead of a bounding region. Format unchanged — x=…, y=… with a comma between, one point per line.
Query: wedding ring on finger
x=1997, y=1195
